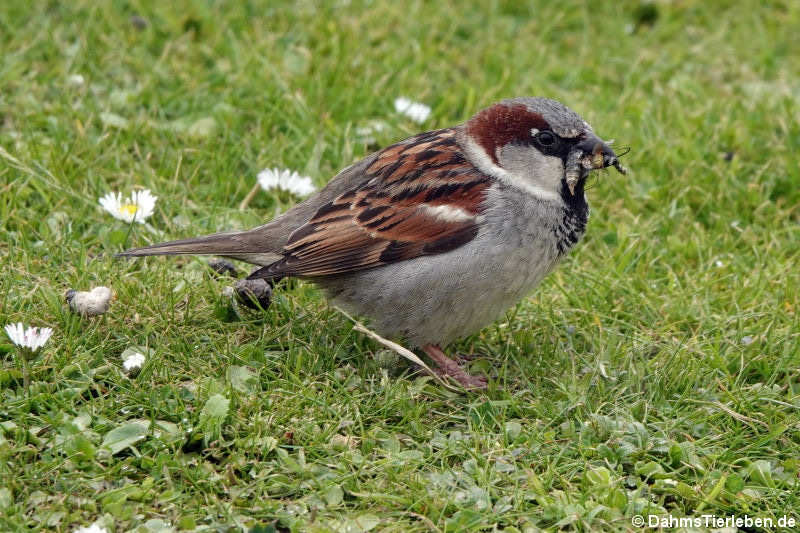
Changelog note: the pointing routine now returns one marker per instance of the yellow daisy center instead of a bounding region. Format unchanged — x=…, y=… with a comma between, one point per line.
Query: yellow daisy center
x=130, y=209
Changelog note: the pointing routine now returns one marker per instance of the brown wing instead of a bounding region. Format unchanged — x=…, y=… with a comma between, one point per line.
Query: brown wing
x=423, y=197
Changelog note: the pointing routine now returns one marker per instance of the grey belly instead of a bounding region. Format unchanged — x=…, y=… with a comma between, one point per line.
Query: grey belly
x=437, y=299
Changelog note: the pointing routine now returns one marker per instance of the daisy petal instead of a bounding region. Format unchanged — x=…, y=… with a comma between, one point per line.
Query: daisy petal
x=135, y=208
x=31, y=338
x=288, y=180
x=416, y=111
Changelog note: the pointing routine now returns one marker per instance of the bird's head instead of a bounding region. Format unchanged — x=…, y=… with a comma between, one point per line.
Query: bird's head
x=538, y=144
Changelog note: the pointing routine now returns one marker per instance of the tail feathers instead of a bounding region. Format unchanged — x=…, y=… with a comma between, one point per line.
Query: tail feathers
x=269, y=272
x=242, y=244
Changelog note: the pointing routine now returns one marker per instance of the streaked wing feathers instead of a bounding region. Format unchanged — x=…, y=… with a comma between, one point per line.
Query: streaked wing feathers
x=423, y=197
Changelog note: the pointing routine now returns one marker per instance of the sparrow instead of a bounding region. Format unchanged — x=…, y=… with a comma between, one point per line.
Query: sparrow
x=434, y=237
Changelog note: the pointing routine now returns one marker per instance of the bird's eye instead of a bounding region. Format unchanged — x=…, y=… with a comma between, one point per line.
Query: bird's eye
x=546, y=138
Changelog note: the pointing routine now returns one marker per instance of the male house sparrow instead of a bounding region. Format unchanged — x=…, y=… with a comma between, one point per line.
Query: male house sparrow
x=434, y=237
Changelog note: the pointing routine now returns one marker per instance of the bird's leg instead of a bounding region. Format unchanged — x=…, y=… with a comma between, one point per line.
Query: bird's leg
x=448, y=367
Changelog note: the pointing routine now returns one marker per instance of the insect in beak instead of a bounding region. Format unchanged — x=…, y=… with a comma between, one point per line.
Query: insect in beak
x=591, y=154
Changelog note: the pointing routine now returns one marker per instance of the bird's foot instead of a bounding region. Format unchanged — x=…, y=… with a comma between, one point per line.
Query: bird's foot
x=448, y=367
x=468, y=381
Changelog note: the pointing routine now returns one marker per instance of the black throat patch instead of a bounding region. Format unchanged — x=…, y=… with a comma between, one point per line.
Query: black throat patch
x=573, y=221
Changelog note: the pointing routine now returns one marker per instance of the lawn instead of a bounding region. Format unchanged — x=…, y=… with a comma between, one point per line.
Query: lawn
x=655, y=372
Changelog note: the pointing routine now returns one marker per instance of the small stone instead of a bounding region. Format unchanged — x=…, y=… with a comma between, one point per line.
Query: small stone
x=253, y=293
x=92, y=303
x=223, y=267
x=747, y=340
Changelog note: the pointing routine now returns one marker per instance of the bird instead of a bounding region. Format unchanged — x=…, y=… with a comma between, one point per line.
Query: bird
x=434, y=237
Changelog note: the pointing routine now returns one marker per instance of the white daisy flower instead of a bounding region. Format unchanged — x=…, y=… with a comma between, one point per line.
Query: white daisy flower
x=30, y=338
x=289, y=180
x=137, y=207
x=94, y=528
x=132, y=361
x=367, y=132
x=416, y=111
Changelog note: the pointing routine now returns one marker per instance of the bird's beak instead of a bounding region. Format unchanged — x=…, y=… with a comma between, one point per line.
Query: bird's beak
x=590, y=154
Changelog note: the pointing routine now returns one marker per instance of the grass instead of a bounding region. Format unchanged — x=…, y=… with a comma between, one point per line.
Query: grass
x=655, y=372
